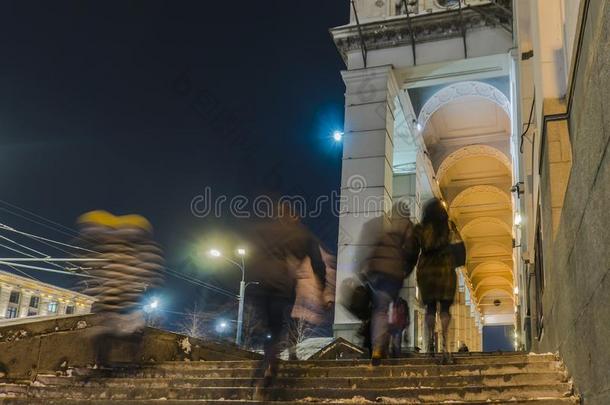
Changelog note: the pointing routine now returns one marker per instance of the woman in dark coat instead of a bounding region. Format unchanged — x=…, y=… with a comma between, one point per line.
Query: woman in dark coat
x=436, y=276
x=390, y=263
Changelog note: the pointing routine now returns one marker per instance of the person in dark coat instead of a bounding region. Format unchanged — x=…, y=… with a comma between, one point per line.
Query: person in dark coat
x=436, y=276
x=280, y=245
x=391, y=262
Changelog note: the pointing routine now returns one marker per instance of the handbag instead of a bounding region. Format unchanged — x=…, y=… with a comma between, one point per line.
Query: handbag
x=357, y=298
x=458, y=251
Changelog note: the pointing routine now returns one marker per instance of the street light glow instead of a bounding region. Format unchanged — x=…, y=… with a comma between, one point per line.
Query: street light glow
x=215, y=253
x=337, y=136
x=154, y=304
x=518, y=219
x=241, y=252
x=417, y=125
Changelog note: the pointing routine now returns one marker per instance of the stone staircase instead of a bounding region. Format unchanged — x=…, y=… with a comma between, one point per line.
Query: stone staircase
x=474, y=378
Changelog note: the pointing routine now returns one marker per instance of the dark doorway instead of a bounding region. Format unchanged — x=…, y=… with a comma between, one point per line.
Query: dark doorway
x=498, y=338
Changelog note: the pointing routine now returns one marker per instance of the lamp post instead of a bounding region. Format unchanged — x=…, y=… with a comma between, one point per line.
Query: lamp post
x=242, y=288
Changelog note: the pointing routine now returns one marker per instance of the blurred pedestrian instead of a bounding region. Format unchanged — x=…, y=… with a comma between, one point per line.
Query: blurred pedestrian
x=392, y=260
x=398, y=320
x=286, y=254
x=436, y=275
x=127, y=264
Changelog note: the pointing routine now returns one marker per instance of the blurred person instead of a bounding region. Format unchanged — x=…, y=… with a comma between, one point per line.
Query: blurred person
x=330, y=262
x=398, y=320
x=392, y=260
x=286, y=256
x=436, y=276
x=131, y=265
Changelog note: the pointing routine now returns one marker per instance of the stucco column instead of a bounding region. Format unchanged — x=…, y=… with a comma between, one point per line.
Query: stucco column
x=5, y=293
x=24, y=304
x=550, y=75
x=61, y=308
x=366, y=179
x=43, y=308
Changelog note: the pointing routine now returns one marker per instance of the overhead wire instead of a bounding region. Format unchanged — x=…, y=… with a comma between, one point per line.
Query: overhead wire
x=48, y=242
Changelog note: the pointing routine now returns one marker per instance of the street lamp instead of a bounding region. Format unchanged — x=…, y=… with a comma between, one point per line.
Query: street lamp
x=242, y=288
x=337, y=136
x=152, y=305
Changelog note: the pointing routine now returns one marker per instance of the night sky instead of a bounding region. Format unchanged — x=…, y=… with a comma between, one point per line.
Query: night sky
x=137, y=106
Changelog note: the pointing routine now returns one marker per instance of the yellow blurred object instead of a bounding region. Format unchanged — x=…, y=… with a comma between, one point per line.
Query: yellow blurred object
x=105, y=218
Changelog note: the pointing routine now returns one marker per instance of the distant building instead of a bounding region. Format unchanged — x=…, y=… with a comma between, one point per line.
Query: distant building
x=22, y=297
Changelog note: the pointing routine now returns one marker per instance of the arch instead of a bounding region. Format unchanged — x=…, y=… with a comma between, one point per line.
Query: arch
x=505, y=290
x=472, y=151
x=489, y=220
x=502, y=267
x=458, y=90
x=459, y=199
x=480, y=280
x=476, y=248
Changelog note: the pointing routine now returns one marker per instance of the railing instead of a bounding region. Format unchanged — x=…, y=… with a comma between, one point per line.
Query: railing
x=368, y=10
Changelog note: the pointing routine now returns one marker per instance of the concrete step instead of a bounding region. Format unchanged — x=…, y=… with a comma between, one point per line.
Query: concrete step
x=192, y=370
x=489, y=380
x=415, y=394
x=479, y=359
x=355, y=401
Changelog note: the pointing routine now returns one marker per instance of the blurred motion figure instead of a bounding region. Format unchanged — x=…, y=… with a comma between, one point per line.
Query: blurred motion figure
x=392, y=260
x=436, y=276
x=287, y=263
x=131, y=264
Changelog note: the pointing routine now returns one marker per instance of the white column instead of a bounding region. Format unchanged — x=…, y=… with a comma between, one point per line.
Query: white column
x=43, y=308
x=366, y=180
x=5, y=293
x=24, y=304
x=549, y=59
x=61, y=308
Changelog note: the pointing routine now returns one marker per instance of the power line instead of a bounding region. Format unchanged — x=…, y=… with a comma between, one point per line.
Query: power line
x=74, y=234
x=22, y=272
x=33, y=250
x=40, y=238
x=27, y=266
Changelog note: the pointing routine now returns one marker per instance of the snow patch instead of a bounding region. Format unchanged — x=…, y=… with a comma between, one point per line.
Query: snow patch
x=185, y=345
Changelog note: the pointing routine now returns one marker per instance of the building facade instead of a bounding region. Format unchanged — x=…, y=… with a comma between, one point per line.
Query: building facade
x=498, y=108
x=22, y=297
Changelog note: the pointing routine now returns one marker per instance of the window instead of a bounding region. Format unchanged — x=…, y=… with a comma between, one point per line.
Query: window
x=52, y=307
x=12, y=312
x=32, y=312
x=34, y=302
x=14, y=298
x=69, y=309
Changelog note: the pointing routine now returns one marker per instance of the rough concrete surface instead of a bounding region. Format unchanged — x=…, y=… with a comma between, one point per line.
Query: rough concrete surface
x=576, y=300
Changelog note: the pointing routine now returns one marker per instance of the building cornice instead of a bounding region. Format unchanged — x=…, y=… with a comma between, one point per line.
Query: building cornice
x=41, y=287
x=393, y=32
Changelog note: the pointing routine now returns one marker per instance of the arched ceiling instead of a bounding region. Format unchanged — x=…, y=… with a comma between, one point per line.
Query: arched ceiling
x=468, y=129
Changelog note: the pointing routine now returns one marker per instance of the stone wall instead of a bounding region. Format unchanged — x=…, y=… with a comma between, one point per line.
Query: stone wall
x=576, y=298
x=51, y=346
